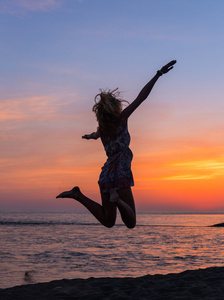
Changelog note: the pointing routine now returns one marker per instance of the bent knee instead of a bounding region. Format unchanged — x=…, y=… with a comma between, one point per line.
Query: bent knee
x=109, y=223
x=131, y=225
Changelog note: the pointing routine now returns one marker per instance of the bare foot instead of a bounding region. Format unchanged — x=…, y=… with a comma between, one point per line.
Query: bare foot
x=114, y=197
x=73, y=193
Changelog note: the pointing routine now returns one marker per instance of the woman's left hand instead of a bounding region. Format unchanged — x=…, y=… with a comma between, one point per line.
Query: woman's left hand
x=165, y=69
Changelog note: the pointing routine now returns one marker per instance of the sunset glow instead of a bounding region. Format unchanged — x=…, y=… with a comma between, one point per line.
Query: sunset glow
x=55, y=57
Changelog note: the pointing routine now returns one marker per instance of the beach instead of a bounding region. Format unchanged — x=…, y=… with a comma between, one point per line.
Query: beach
x=192, y=284
x=70, y=256
x=52, y=246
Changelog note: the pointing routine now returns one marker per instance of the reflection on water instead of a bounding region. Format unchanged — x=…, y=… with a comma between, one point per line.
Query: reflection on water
x=42, y=247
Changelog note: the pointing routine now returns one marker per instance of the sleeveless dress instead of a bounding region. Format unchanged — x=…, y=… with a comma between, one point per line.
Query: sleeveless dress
x=116, y=172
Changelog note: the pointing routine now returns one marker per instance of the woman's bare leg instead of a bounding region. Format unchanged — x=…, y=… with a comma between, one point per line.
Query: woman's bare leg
x=124, y=200
x=105, y=213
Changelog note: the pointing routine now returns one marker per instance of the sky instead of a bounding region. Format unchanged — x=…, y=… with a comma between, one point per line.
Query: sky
x=57, y=54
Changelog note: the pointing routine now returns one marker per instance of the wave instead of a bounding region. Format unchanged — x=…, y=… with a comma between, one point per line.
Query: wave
x=56, y=223
x=47, y=223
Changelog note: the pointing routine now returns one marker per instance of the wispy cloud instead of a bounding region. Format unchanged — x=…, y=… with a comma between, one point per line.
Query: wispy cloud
x=200, y=170
x=23, y=109
x=30, y=107
x=189, y=177
x=23, y=6
x=203, y=165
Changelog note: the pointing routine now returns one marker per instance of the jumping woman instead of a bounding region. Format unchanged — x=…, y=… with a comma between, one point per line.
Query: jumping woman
x=116, y=178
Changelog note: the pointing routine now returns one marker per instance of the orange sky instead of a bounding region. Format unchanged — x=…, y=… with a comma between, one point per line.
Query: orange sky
x=173, y=169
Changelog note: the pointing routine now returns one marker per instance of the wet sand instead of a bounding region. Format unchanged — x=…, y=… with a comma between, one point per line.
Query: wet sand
x=197, y=284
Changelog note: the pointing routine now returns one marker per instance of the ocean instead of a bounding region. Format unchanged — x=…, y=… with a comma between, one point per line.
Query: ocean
x=40, y=247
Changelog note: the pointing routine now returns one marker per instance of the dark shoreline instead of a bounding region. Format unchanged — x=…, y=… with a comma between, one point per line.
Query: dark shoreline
x=191, y=284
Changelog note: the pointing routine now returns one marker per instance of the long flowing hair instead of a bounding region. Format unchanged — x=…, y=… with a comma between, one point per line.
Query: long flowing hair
x=107, y=107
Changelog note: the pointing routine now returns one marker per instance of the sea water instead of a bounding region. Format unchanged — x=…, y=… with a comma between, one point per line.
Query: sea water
x=40, y=247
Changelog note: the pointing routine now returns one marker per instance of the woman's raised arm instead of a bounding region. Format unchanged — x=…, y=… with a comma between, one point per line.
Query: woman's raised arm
x=146, y=90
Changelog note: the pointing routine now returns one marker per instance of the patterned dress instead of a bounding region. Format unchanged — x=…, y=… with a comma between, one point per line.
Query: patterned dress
x=116, y=172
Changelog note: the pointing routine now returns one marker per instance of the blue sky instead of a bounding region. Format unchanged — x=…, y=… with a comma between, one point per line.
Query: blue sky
x=110, y=42
x=56, y=54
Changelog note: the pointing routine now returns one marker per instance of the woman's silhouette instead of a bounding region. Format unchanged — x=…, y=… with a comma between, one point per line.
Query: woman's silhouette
x=116, y=177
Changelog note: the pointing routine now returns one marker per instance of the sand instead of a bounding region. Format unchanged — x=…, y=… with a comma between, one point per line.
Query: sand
x=198, y=284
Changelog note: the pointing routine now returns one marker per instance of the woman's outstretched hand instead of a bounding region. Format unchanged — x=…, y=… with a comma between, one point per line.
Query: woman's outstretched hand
x=93, y=135
x=86, y=136
x=167, y=67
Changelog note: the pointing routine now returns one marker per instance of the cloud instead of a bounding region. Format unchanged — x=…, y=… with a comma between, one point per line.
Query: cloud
x=23, y=6
x=39, y=107
x=200, y=170
x=203, y=165
x=189, y=177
